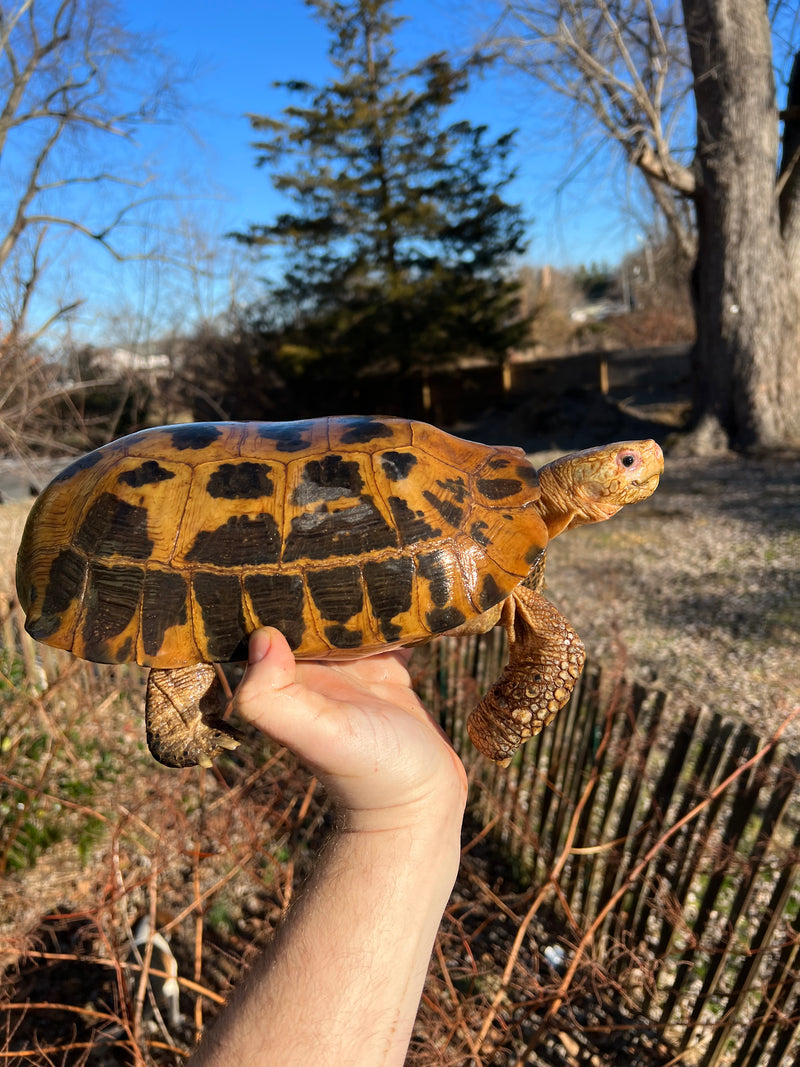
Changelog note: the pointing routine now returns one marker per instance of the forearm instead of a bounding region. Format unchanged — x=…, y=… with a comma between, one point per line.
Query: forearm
x=342, y=980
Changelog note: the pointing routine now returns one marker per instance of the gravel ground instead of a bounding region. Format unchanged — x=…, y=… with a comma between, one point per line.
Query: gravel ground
x=697, y=588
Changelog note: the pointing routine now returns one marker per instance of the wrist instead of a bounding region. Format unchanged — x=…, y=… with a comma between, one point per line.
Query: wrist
x=427, y=827
x=434, y=808
x=418, y=857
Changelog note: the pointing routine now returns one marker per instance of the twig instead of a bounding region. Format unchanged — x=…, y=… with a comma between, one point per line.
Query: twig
x=461, y=1022
x=547, y=888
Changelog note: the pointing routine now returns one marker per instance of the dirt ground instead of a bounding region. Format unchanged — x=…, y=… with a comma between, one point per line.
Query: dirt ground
x=698, y=588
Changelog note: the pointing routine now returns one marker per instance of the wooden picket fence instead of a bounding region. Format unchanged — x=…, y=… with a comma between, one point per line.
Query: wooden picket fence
x=672, y=843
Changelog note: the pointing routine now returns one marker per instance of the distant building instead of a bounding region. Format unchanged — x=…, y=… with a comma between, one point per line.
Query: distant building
x=121, y=362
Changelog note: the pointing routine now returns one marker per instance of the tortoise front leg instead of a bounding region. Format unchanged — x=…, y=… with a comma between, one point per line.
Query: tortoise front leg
x=183, y=714
x=545, y=660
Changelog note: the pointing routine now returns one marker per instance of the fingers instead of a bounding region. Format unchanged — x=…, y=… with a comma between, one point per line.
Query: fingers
x=269, y=643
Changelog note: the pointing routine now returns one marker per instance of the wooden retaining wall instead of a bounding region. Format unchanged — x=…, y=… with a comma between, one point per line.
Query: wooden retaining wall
x=673, y=849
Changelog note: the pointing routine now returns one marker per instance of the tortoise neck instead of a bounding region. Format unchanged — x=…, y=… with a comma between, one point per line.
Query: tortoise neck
x=557, y=502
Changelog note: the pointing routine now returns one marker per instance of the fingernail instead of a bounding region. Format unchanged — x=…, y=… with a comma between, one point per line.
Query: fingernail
x=259, y=646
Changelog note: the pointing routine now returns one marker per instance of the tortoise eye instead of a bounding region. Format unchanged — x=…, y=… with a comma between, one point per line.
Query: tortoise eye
x=627, y=459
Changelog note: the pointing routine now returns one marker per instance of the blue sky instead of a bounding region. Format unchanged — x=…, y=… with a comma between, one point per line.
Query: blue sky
x=241, y=48
x=238, y=49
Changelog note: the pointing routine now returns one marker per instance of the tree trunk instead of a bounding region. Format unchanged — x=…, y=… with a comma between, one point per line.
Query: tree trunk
x=746, y=367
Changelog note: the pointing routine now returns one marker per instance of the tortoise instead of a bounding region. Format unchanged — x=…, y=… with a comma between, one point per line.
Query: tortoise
x=351, y=535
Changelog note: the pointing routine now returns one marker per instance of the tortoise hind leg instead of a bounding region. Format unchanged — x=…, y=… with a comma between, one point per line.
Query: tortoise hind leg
x=545, y=660
x=183, y=714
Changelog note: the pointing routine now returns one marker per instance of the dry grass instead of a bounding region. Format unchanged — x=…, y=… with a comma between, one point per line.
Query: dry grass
x=12, y=521
x=94, y=836
x=698, y=588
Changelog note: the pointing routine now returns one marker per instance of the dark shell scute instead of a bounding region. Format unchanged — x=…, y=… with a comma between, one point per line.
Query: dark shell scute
x=341, y=637
x=389, y=588
x=441, y=619
x=398, y=465
x=241, y=481
x=490, y=593
x=288, y=436
x=219, y=597
x=528, y=475
x=478, y=533
x=412, y=526
x=456, y=487
x=149, y=473
x=114, y=527
x=65, y=583
x=363, y=430
x=277, y=600
x=499, y=488
x=113, y=595
x=163, y=605
x=450, y=512
x=330, y=478
x=85, y=463
x=195, y=435
x=534, y=555
x=337, y=592
x=242, y=541
x=432, y=569
x=351, y=531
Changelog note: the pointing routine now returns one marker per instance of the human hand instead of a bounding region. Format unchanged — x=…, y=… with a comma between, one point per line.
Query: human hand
x=342, y=977
x=360, y=727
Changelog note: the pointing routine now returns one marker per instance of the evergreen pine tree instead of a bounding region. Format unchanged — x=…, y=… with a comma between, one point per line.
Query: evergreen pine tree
x=399, y=247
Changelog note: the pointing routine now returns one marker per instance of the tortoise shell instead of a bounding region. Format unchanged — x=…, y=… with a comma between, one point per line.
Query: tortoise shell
x=350, y=535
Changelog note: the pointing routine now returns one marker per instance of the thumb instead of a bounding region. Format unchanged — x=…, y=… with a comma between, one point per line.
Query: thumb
x=310, y=722
x=280, y=703
x=268, y=681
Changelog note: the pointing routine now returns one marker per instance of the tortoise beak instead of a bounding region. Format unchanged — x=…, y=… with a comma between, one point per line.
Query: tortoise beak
x=652, y=464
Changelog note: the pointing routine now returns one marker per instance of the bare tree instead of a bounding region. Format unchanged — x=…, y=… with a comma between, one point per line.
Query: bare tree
x=688, y=94
x=75, y=89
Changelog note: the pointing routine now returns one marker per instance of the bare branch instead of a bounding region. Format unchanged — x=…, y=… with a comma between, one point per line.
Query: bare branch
x=621, y=66
x=26, y=196
x=68, y=83
x=679, y=178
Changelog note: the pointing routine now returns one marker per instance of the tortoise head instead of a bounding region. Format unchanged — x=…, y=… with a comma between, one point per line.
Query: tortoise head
x=593, y=485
